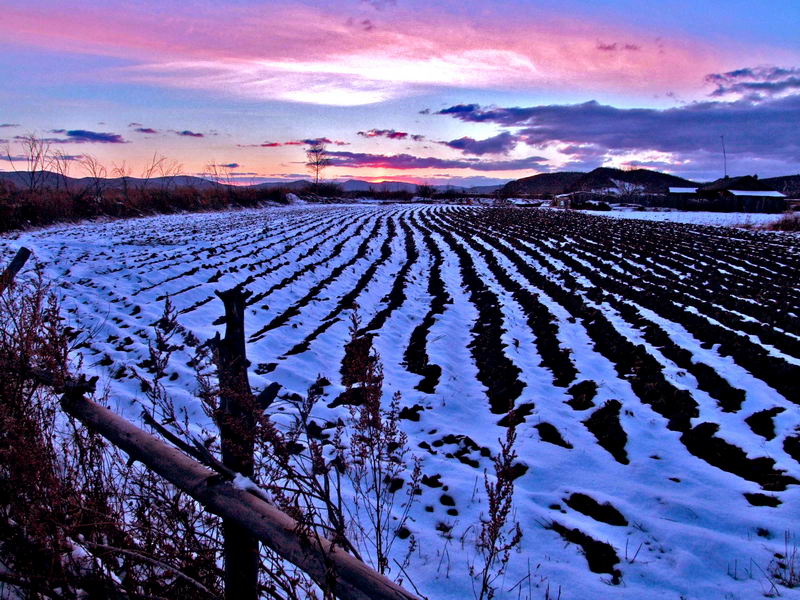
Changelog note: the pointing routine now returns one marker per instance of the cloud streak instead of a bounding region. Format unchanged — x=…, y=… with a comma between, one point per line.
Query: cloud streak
x=408, y=162
x=305, y=142
x=756, y=82
x=391, y=134
x=502, y=143
x=81, y=136
x=188, y=133
x=617, y=47
x=26, y=159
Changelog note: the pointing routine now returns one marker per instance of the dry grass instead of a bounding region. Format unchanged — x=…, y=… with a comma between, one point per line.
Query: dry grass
x=21, y=208
x=76, y=520
x=788, y=222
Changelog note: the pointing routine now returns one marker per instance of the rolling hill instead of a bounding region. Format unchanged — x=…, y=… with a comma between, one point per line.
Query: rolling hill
x=598, y=179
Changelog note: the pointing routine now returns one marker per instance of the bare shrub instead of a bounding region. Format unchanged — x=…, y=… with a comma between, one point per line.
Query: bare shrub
x=500, y=533
x=36, y=159
x=379, y=466
x=784, y=569
x=358, y=484
x=76, y=520
x=788, y=222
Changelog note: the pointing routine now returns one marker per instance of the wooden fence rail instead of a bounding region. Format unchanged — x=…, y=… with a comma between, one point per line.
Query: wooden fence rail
x=331, y=567
x=328, y=565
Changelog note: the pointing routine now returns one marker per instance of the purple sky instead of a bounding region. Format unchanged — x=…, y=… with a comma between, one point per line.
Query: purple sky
x=448, y=92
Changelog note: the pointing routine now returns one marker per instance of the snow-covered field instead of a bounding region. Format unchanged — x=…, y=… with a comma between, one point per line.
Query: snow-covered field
x=656, y=367
x=694, y=217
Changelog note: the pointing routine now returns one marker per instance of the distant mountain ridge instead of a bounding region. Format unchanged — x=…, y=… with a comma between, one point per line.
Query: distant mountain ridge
x=559, y=182
x=359, y=185
x=543, y=183
x=599, y=179
x=50, y=180
x=787, y=184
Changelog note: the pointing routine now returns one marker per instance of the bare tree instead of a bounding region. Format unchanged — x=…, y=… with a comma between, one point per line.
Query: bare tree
x=425, y=191
x=626, y=191
x=123, y=172
x=96, y=173
x=317, y=159
x=60, y=163
x=36, y=157
x=168, y=170
x=223, y=178
x=220, y=174
x=150, y=170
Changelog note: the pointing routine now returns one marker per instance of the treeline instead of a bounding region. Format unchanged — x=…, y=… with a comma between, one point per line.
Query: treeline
x=21, y=208
x=43, y=191
x=424, y=192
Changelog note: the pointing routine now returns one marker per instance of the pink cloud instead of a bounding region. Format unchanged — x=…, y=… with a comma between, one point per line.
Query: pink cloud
x=306, y=142
x=391, y=134
x=314, y=56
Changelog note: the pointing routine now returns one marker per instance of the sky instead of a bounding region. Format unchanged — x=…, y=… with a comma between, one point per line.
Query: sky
x=460, y=92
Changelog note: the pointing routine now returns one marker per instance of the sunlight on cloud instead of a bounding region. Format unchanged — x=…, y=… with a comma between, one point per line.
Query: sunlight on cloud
x=350, y=80
x=628, y=160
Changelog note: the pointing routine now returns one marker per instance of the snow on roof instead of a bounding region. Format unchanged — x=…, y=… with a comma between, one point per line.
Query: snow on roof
x=759, y=193
x=682, y=190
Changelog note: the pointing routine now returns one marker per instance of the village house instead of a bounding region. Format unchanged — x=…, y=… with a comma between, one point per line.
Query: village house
x=730, y=194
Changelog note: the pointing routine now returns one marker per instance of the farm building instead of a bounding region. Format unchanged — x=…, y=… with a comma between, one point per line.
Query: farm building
x=735, y=194
x=580, y=199
x=684, y=198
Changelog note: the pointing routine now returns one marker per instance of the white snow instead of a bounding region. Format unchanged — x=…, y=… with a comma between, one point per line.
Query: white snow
x=689, y=525
x=725, y=219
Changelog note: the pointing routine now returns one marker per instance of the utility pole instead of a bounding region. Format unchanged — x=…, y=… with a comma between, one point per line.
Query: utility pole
x=724, y=157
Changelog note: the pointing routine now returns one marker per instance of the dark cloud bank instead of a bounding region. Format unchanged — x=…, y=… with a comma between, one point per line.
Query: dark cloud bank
x=82, y=136
x=408, y=161
x=760, y=126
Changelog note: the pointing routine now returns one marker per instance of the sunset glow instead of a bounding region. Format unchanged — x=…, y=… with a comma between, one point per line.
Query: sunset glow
x=246, y=78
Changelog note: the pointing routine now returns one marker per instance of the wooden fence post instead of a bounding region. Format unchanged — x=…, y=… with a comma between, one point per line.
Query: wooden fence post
x=13, y=268
x=236, y=420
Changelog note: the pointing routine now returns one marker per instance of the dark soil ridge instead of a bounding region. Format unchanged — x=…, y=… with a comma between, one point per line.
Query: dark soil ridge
x=397, y=296
x=541, y=321
x=348, y=300
x=601, y=557
x=415, y=357
x=293, y=310
x=289, y=279
x=642, y=371
x=605, y=513
x=495, y=370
